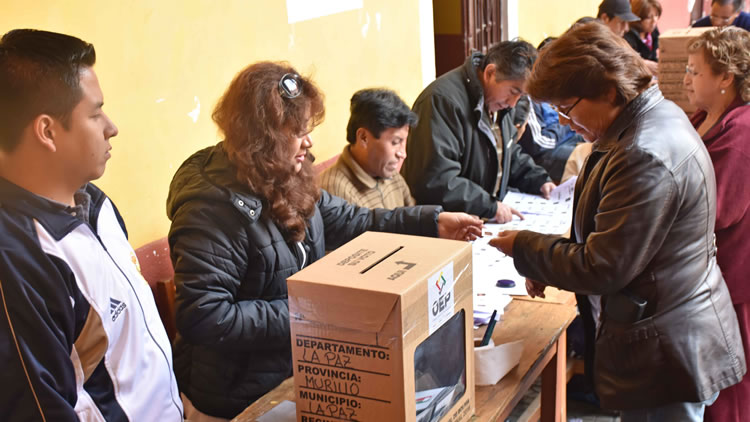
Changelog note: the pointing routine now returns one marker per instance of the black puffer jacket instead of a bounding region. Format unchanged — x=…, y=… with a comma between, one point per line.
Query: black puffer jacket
x=231, y=265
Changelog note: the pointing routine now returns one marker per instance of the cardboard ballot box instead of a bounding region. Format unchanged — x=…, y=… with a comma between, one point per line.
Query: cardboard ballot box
x=382, y=331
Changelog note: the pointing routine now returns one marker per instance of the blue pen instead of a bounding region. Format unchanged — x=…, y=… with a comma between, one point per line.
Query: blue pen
x=490, y=328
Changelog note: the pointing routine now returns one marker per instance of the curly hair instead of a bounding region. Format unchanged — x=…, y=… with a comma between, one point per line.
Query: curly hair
x=727, y=50
x=587, y=61
x=259, y=125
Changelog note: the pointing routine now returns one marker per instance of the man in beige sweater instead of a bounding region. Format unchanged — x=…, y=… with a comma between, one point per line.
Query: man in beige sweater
x=367, y=171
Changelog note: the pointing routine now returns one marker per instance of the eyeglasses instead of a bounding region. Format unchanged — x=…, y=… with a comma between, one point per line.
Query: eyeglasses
x=722, y=19
x=566, y=114
x=290, y=85
x=690, y=71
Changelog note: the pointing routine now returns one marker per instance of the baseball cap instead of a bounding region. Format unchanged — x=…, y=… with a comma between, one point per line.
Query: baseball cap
x=619, y=8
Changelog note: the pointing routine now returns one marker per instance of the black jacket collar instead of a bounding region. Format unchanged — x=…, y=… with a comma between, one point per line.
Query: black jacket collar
x=53, y=216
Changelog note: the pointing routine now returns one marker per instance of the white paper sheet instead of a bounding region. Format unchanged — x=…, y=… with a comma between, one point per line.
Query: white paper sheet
x=302, y=10
x=551, y=216
x=491, y=265
x=487, y=302
x=492, y=363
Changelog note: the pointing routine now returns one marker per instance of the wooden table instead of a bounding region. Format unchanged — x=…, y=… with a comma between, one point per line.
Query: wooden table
x=552, y=295
x=540, y=324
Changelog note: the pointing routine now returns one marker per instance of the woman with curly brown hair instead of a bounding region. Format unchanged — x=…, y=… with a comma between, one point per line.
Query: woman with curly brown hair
x=641, y=256
x=246, y=214
x=717, y=80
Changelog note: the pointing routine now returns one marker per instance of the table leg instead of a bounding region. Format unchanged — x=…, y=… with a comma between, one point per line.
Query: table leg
x=554, y=384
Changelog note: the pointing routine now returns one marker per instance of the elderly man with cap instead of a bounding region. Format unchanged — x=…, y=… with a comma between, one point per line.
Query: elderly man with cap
x=616, y=14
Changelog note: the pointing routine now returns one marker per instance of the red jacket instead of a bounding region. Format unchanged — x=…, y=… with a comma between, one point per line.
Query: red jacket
x=728, y=143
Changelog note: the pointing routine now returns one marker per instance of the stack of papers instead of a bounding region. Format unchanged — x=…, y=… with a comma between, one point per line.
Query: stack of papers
x=487, y=302
x=549, y=216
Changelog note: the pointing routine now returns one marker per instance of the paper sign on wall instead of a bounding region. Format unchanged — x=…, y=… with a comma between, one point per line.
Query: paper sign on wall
x=302, y=10
x=440, y=297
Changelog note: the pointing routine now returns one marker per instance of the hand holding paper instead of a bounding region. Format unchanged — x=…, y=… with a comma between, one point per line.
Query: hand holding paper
x=459, y=226
x=546, y=189
x=504, y=241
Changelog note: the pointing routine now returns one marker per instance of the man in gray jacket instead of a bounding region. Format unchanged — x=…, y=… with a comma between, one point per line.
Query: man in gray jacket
x=461, y=155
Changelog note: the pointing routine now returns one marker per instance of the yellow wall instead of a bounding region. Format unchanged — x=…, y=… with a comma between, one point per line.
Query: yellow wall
x=538, y=20
x=154, y=58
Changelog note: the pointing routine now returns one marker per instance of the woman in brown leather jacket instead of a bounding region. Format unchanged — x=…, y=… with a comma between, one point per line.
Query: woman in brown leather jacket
x=642, y=254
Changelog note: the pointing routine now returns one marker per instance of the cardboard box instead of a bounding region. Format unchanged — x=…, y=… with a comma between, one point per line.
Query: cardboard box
x=673, y=42
x=382, y=331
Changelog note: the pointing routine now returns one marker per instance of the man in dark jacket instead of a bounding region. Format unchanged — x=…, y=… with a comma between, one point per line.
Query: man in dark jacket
x=723, y=13
x=466, y=131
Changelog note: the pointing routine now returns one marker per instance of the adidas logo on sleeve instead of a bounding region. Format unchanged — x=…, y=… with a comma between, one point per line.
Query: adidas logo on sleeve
x=115, y=308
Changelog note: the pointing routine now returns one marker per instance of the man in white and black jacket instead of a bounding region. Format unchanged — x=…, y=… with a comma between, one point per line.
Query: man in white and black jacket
x=80, y=335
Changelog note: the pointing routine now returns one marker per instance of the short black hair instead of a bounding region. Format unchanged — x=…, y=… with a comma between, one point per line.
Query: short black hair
x=377, y=109
x=39, y=74
x=736, y=4
x=513, y=59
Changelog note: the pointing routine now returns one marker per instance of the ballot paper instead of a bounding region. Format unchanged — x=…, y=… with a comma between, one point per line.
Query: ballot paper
x=549, y=216
x=434, y=403
x=488, y=301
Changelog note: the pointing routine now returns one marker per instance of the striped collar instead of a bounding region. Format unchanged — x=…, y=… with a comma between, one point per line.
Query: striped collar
x=357, y=171
x=57, y=218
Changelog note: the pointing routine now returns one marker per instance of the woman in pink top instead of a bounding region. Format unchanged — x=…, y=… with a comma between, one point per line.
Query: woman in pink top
x=717, y=80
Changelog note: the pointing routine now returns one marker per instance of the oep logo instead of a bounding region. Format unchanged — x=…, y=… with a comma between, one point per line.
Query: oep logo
x=443, y=298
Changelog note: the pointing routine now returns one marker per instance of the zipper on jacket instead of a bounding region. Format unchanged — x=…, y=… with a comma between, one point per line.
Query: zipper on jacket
x=145, y=323
x=304, y=255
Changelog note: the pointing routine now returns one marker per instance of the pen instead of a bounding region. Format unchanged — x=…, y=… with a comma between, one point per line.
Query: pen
x=490, y=328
